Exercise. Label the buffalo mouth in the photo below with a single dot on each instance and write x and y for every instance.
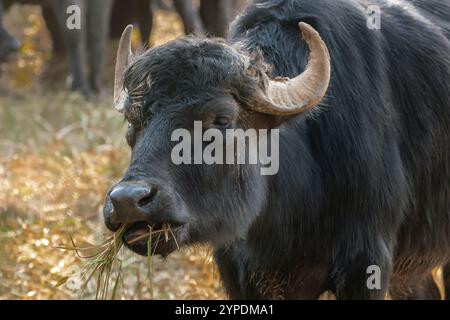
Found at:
(163, 238)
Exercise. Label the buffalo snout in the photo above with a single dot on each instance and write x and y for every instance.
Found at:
(139, 201)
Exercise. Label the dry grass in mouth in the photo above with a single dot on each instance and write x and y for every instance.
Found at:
(166, 229)
(102, 261)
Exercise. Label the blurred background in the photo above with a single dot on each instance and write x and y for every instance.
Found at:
(62, 145)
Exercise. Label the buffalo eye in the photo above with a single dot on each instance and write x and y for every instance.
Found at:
(222, 121)
(131, 135)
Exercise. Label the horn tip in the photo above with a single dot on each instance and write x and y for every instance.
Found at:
(301, 24)
(305, 28)
(128, 29)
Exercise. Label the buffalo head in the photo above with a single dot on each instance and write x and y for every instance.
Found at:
(175, 85)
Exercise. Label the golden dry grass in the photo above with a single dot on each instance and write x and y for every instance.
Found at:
(58, 156)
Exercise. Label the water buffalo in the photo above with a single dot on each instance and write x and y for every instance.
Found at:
(212, 17)
(361, 202)
(8, 44)
(86, 47)
(217, 14)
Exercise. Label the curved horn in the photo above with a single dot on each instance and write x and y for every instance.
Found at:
(122, 60)
(284, 96)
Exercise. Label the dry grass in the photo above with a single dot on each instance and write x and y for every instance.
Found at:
(58, 156)
(103, 264)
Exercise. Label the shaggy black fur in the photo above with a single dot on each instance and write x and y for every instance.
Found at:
(364, 178)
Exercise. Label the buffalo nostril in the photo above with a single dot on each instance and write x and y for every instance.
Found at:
(147, 198)
(127, 198)
(108, 211)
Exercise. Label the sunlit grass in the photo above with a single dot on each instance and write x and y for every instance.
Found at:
(53, 186)
(102, 262)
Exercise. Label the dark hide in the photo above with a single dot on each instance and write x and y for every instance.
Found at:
(364, 178)
(377, 158)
